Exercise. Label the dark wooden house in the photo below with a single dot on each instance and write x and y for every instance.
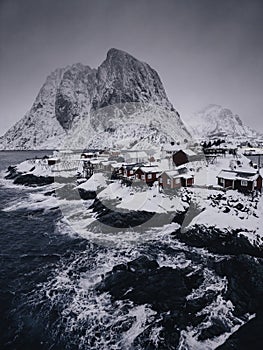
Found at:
(183, 156)
(128, 170)
(244, 181)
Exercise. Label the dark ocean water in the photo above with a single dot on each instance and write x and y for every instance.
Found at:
(30, 249)
(49, 273)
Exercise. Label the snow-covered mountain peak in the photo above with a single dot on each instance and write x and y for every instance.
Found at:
(215, 120)
(78, 95)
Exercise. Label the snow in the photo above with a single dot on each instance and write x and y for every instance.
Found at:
(25, 166)
(150, 169)
(171, 173)
(238, 175)
(138, 117)
(149, 199)
(95, 182)
(39, 167)
(216, 120)
(248, 221)
(206, 175)
(225, 211)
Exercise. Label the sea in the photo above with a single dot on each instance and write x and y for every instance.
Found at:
(49, 273)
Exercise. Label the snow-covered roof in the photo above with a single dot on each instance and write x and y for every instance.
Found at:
(108, 162)
(175, 174)
(150, 169)
(53, 158)
(175, 149)
(189, 152)
(171, 173)
(117, 165)
(238, 175)
(186, 176)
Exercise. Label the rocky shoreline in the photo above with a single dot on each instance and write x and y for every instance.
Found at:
(166, 289)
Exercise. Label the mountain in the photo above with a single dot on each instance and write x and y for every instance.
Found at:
(215, 120)
(121, 102)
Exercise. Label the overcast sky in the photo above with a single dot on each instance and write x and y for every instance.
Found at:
(205, 51)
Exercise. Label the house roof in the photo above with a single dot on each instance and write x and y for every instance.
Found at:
(188, 152)
(117, 165)
(171, 173)
(238, 175)
(150, 169)
(175, 174)
(186, 176)
(108, 162)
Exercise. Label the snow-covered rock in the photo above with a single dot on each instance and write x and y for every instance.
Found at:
(215, 120)
(123, 101)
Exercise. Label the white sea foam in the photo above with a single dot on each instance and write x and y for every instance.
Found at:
(95, 315)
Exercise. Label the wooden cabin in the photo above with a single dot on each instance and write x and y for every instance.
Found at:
(244, 181)
(147, 174)
(173, 179)
(128, 170)
(117, 169)
(183, 156)
(170, 179)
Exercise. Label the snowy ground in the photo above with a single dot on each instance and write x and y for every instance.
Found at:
(222, 210)
(229, 211)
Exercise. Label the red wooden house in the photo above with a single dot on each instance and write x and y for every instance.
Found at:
(147, 174)
(172, 179)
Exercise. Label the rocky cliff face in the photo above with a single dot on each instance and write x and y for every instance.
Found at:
(78, 104)
(215, 120)
(74, 95)
(122, 78)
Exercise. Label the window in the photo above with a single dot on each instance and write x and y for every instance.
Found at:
(143, 177)
(149, 176)
(244, 183)
(177, 181)
(131, 172)
(168, 182)
(161, 180)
